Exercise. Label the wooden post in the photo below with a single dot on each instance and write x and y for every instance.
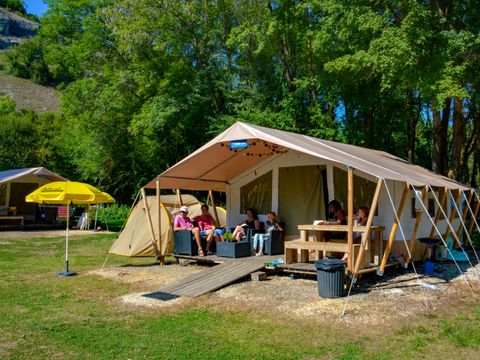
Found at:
(350, 219)
(443, 198)
(159, 214)
(465, 212)
(418, 220)
(391, 238)
(215, 213)
(366, 234)
(179, 195)
(150, 224)
(475, 213)
(450, 220)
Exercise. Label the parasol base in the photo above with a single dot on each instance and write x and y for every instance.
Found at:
(67, 273)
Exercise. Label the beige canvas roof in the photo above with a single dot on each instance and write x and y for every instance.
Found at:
(212, 166)
(31, 173)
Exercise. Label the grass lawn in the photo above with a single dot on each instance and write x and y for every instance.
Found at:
(43, 316)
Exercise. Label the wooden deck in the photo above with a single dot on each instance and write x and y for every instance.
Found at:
(215, 277)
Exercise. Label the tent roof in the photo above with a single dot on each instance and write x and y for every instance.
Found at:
(214, 165)
(15, 174)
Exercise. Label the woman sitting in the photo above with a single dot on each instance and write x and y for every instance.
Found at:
(251, 223)
(336, 216)
(270, 225)
(207, 227)
(361, 218)
(183, 222)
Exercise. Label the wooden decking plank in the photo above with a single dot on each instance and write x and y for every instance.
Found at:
(214, 278)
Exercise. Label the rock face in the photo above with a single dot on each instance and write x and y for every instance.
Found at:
(14, 28)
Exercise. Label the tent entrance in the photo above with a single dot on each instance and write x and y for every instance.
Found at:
(300, 195)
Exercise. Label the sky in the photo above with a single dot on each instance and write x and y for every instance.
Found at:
(36, 7)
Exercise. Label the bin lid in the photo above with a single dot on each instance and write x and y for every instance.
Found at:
(329, 264)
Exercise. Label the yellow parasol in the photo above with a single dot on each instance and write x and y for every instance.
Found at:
(67, 193)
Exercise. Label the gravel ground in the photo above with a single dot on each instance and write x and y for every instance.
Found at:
(393, 300)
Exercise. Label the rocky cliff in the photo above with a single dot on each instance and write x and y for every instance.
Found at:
(14, 28)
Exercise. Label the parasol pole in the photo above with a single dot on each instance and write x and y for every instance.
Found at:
(67, 272)
(96, 217)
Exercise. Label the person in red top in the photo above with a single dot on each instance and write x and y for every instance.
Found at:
(207, 226)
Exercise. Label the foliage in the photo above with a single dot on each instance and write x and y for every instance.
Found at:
(145, 83)
(7, 105)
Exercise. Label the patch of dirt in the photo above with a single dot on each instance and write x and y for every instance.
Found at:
(32, 234)
(388, 303)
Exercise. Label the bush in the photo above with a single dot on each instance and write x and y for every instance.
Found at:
(7, 105)
(27, 61)
(114, 215)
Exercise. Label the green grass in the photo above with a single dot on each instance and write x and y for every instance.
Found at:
(44, 316)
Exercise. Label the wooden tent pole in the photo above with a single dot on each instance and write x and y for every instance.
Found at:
(450, 219)
(212, 200)
(150, 224)
(437, 215)
(350, 219)
(475, 213)
(179, 195)
(159, 214)
(391, 238)
(465, 212)
(366, 234)
(418, 220)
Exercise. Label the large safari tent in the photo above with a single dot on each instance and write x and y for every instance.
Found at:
(15, 184)
(297, 175)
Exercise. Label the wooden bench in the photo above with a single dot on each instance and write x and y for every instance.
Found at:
(13, 218)
(292, 247)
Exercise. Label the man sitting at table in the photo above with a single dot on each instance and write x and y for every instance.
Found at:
(361, 218)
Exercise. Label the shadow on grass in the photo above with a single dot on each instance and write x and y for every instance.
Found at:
(162, 296)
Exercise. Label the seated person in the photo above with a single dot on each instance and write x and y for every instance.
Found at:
(362, 218)
(336, 216)
(251, 223)
(207, 227)
(270, 225)
(183, 222)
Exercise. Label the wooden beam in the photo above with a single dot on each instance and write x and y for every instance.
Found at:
(450, 220)
(350, 219)
(179, 195)
(150, 224)
(475, 213)
(391, 238)
(212, 200)
(465, 213)
(159, 214)
(418, 220)
(366, 234)
(443, 198)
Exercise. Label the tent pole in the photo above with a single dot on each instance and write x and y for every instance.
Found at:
(150, 224)
(437, 215)
(179, 195)
(366, 234)
(465, 213)
(212, 200)
(350, 219)
(450, 220)
(418, 220)
(388, 248)
(159, 214)
(475, 214)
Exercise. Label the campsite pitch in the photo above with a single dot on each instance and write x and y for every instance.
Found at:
(92, 316)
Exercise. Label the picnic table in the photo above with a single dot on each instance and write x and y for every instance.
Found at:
(320, 245)
(13, 217)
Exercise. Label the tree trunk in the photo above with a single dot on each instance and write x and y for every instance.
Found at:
(440, 141)
(458, 142)
(411, 126)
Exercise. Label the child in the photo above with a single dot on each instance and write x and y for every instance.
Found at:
(362, 218)
(271, 224)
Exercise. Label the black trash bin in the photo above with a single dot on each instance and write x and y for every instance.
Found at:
(330, 277)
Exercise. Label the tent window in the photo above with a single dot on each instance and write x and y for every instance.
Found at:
(363, 189)
(416, 210)
(3, 194)
(257, 194)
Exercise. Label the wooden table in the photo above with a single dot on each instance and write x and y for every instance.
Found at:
(320, 245)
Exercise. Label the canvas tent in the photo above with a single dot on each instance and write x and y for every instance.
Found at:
(15, 184)
(135, 238)
(296, 175)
